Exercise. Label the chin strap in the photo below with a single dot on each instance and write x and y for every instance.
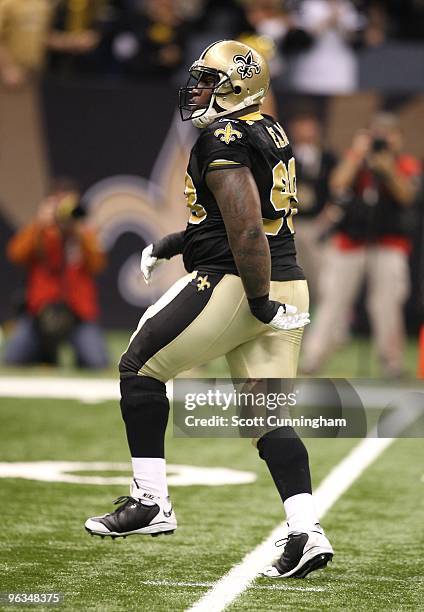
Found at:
(211, 114)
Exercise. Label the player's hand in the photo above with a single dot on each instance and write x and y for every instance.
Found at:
(287, 317)
(148, 263)
(277, 315)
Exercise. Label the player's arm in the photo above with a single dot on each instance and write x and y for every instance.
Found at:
(22, 247)
(238, 199)
(237, 196)
(155, 253)
(403, 189)
(344, 174)
(93, 256)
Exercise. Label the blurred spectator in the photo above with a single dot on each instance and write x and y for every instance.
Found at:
(274, 24)
(329, 66)
(190, 9)
(390, 20)
(61, 256)
(76, 34)
(150, 39)
(376, 184)
(314, 164)
(221, 19)
(407, 18)
(377, 28)
(270, 21)
(24, 25)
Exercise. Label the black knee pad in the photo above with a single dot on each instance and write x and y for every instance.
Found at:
(136, 389)
(145, 410)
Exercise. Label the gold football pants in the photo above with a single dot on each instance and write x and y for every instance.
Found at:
(206, 315)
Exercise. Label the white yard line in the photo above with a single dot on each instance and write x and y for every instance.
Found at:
(260, 587)
(372, 393)
(83, 389)
(88, 390)
(337, 482)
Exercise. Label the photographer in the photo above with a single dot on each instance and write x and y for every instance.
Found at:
(376, 185)
(61, 256)
(314, 164)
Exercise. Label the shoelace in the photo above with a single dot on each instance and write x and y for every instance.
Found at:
(279, 543)
(124, 500)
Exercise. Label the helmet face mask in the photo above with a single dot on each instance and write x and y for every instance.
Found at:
(236, 75)
(198, 75)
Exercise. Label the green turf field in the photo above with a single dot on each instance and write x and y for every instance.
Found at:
(375, 527)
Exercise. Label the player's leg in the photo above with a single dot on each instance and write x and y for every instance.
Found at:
(340, 269)
(388, 289)
(25, 344)
(310, 252)
(275, 355)
(88, 342)
(195, 321)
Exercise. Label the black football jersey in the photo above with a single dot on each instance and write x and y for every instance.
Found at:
(260, 143)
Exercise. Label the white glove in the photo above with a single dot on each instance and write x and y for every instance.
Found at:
(148, 263)
(287, 317)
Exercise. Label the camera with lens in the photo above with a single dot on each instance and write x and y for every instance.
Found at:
(379, 144)
(69, 209)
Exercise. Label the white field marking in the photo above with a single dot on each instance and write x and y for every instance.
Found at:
(91, 390)
(83, 389)
(337, 482)
(178, 475)
(267, 587)
(87, 390)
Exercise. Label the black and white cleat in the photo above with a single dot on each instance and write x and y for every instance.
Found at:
(135, 516)
(303, 553)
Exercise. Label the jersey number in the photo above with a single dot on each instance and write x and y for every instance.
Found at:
(283, 196)
(198, 213)
(278, 135)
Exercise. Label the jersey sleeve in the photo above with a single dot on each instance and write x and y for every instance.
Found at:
(223, 145)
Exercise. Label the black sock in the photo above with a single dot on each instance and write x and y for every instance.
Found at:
(287, 460)
(145, 410)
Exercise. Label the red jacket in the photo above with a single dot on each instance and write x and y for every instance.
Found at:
(408, 166)
(59, 268)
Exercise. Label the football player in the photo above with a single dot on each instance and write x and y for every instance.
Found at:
(244, 297)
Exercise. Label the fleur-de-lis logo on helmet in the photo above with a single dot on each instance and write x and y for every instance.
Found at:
(246, 66)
